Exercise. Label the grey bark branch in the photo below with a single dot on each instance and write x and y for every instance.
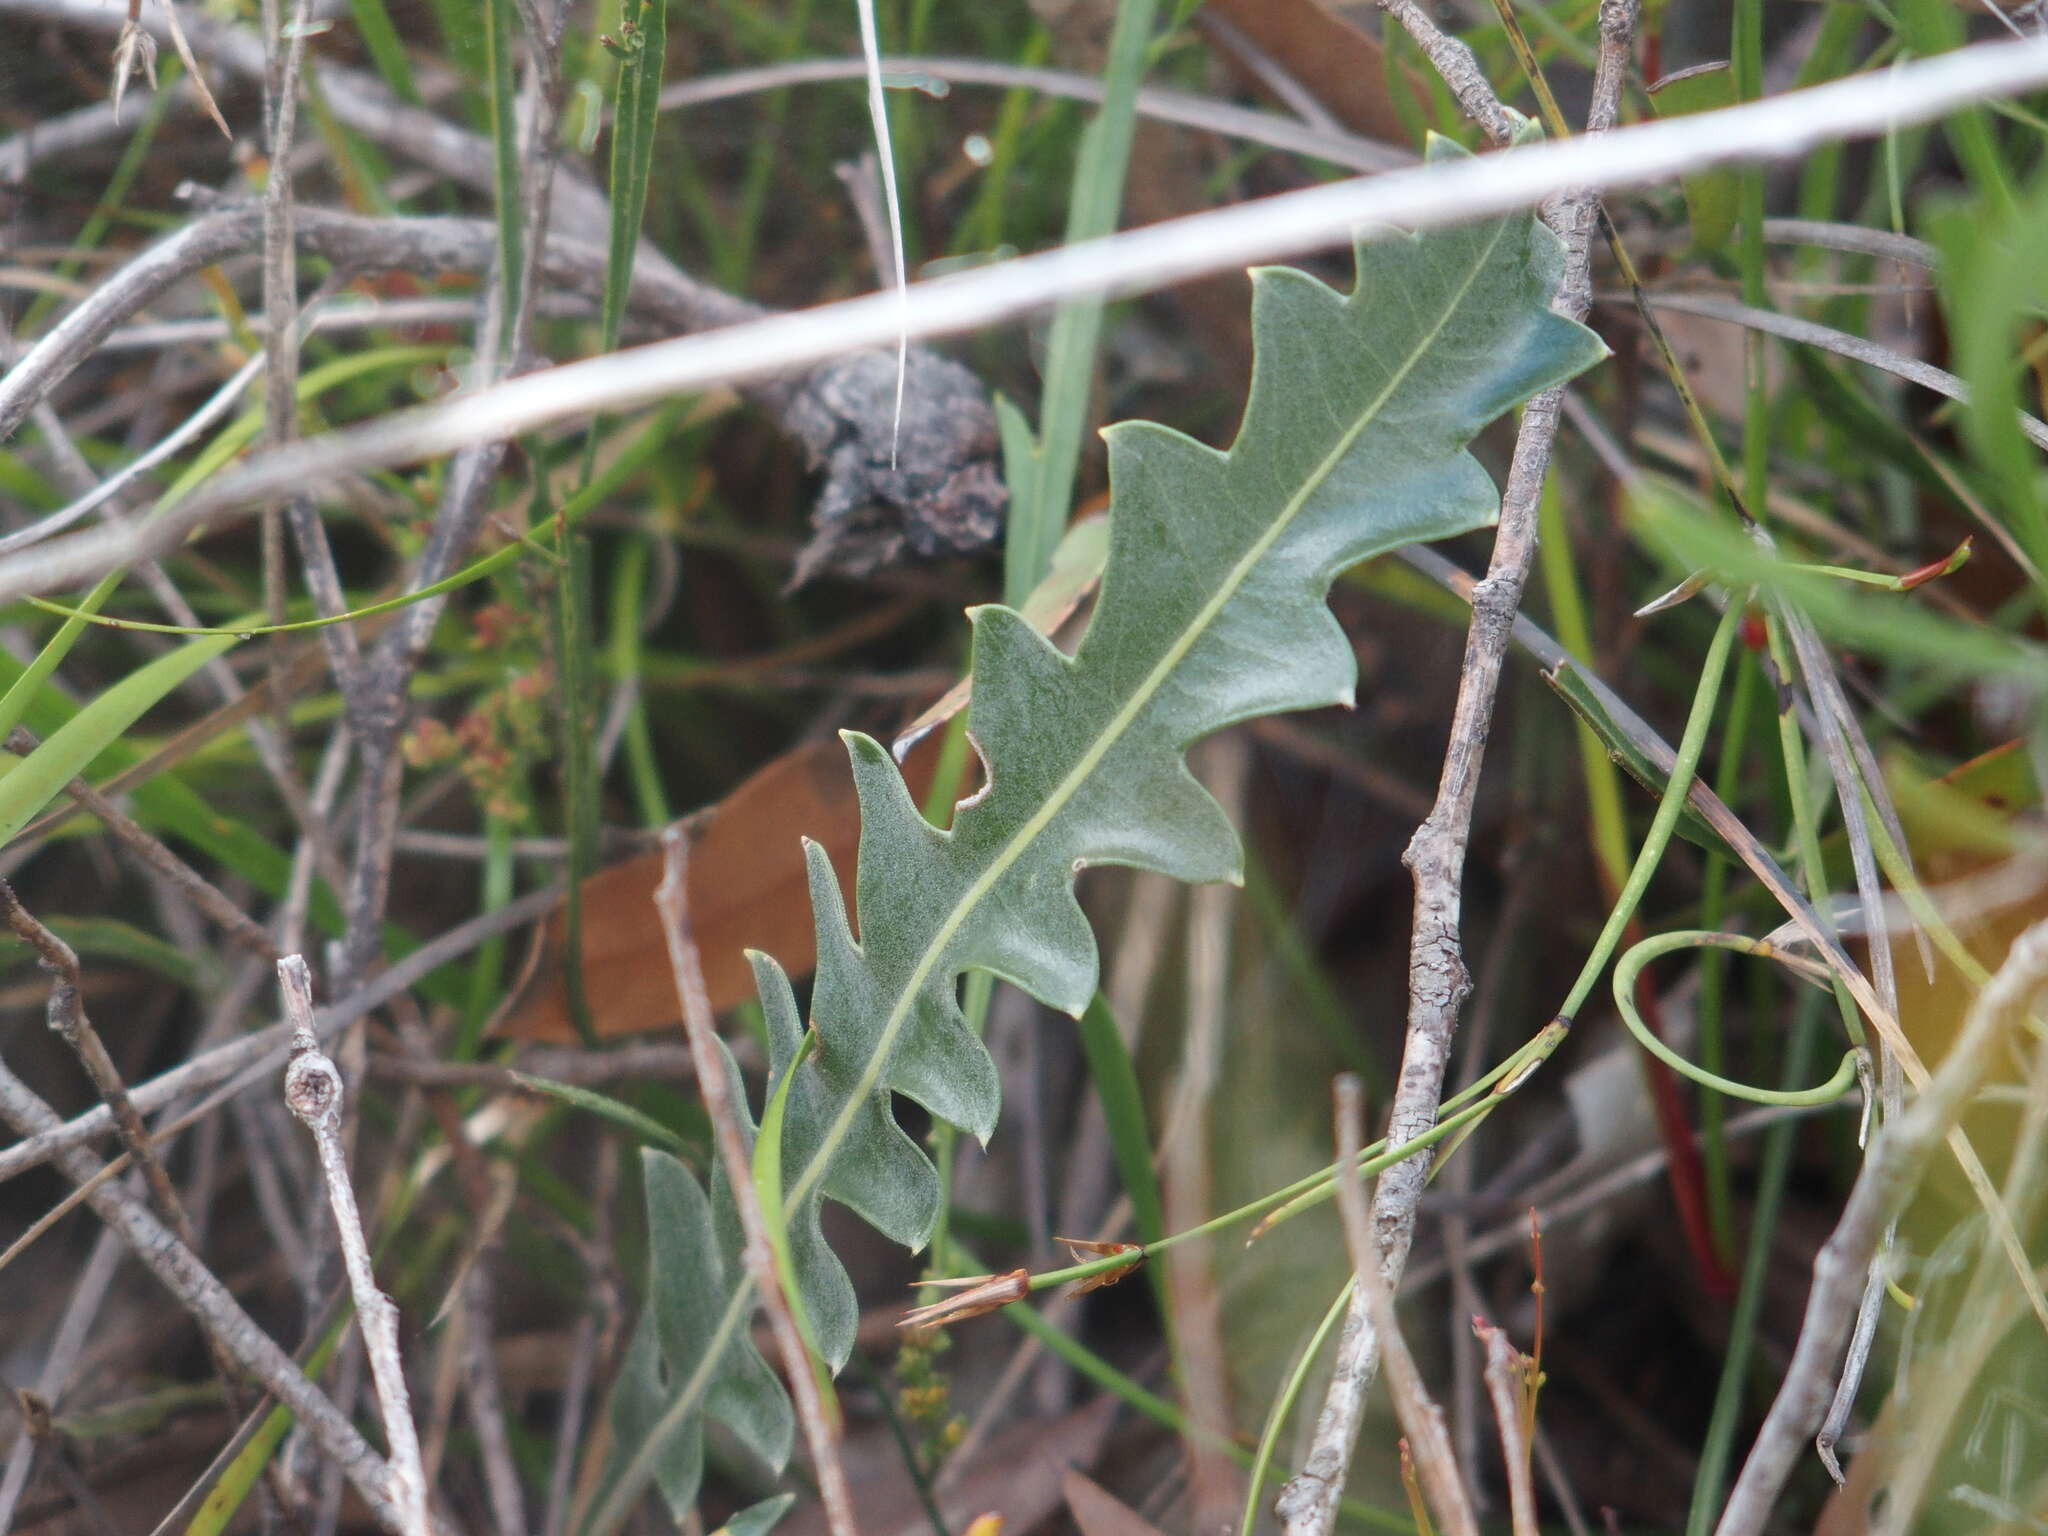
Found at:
(1437, 978)
(1458, 68)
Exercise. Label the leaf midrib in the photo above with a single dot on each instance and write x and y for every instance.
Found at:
(639, 1468)
(1063, 793)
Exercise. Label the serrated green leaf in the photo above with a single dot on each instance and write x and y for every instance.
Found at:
(1212, 611)
(670, 1445)
(687, 1359)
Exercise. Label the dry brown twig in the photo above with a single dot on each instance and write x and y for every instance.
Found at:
(672, 899)
(313, 1091)
(1507, 1382)
(155, 854)
(252, 1055)
(1437, 977)
(67, 1018)
(1201, 1357)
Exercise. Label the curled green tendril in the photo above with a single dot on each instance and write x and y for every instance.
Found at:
(1630, 966)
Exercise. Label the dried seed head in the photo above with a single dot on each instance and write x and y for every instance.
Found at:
(984, 1293)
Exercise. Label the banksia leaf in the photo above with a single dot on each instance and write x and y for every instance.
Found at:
(1211, 611)
(692, 1330)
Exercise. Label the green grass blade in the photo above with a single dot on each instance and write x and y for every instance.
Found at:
(605, 1107)
(1038, 506)
(644, 29)
(386, 50)
(38, 778)
(1123, 1109)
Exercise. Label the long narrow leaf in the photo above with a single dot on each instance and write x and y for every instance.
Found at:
(37, 778)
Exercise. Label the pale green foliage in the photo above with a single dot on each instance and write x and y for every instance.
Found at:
(1211, 611)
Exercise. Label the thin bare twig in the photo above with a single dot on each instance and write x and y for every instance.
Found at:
(1422, 1421)
(313, 1091)
(155, 854)
(1437, 978)
(485, 1401)
(67, 1018)
(217, 405)
(1507, 1381)
(1525, 876)
(1889, 1175)
(1857, 349)
(1186, 1145)
(671, 897)
(255, 1055)
(596, 1326)
(1459, 69)
(89, 1287)
(210, 1303)
(284, 43)
(1160, 103)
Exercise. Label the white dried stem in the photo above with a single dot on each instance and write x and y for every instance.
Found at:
(1430, 197)
(313, 1092)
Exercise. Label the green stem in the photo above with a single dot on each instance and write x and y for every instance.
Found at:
(1568, 617)
(1458, 1111)
(1712, 1475)
(1712, 1008)
(1630, 966)
(1806, 829)
(1686, 764)
(629, 597)
(1746, 60)
(1157, 1408)
(1283, 1404)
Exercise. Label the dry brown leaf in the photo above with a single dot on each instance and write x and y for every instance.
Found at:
(747, 891)
(1086, 1251)
(977, 1296)
(1338, 64)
